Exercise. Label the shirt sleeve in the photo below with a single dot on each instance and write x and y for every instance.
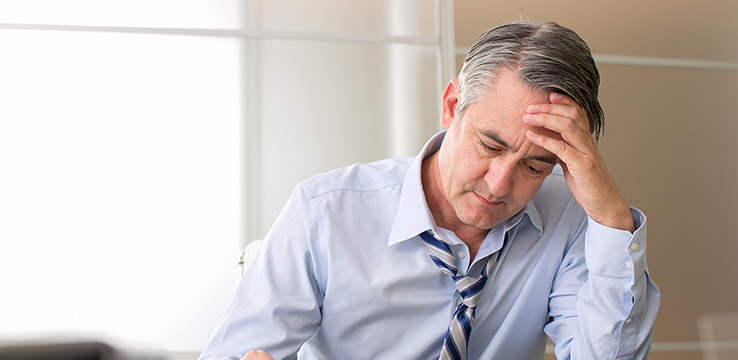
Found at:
(612, 314)
(276, 306)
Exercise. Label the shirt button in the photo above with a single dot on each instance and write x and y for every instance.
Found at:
(629, 320)
(461, 254)
(629, 265)
(635, 246)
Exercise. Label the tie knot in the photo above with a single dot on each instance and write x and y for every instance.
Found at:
(440, 253)
(469, 287)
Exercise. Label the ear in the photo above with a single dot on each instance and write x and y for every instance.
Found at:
(450, 101)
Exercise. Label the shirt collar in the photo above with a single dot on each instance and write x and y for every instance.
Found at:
(413, 215)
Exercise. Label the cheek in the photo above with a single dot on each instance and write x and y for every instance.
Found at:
(460, 164)
(469, 170)
(455, 176)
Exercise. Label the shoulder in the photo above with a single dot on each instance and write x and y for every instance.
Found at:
(555, 184)
(554, 197)
(359, 177)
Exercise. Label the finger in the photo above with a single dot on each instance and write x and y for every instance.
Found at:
(564, 106)
(569, 129)
(557, 98)
(561, 102)
(562, 110)
(565, 152)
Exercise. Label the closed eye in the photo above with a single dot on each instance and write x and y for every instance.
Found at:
(534, 170)
(490, 148)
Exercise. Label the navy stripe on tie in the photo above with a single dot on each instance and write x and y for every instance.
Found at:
(457, 337)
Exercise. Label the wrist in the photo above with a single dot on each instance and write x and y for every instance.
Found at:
(621, 219)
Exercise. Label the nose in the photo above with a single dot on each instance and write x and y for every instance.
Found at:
(499, 178)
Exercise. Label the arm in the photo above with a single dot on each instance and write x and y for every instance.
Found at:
(276, 306)
(612, 314)
(603, 304)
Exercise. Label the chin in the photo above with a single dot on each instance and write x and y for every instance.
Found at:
(481, 221)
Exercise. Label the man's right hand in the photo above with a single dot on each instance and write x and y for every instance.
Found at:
(257, 355)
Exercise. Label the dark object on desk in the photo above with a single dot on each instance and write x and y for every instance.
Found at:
(86, 350)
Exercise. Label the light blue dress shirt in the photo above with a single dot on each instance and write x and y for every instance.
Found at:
(344, 275)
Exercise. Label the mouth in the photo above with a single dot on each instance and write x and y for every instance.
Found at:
(488, 202)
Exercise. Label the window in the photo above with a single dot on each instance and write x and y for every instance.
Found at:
(143, 143)
(120, 194)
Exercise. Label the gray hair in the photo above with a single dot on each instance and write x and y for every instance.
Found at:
(548, 57)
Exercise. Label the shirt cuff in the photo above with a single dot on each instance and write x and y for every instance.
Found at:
(615, 252)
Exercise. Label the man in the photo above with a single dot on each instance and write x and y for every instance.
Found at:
(507, 227)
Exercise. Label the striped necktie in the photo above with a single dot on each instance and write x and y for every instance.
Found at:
(457, 337)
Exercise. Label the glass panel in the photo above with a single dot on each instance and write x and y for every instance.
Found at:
(214, 14)
(377, 17)
(359, 102)
(120, 195)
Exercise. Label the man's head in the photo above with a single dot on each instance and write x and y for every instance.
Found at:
(548, 57)
(487, 168)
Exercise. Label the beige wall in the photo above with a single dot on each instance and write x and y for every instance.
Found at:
(670, 143)
(670, 139)
(672, 148)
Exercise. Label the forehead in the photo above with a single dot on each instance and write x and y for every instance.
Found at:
(508, 96)
(499, 111)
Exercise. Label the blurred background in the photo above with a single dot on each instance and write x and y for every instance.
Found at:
(144, 143)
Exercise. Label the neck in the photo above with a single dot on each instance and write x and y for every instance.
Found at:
(442, 211)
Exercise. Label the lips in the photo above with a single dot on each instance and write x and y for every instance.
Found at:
(487, 202)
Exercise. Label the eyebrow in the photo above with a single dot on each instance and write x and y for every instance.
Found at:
(496, 138)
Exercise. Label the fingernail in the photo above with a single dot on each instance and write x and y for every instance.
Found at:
(532, 108)
(528, 117)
